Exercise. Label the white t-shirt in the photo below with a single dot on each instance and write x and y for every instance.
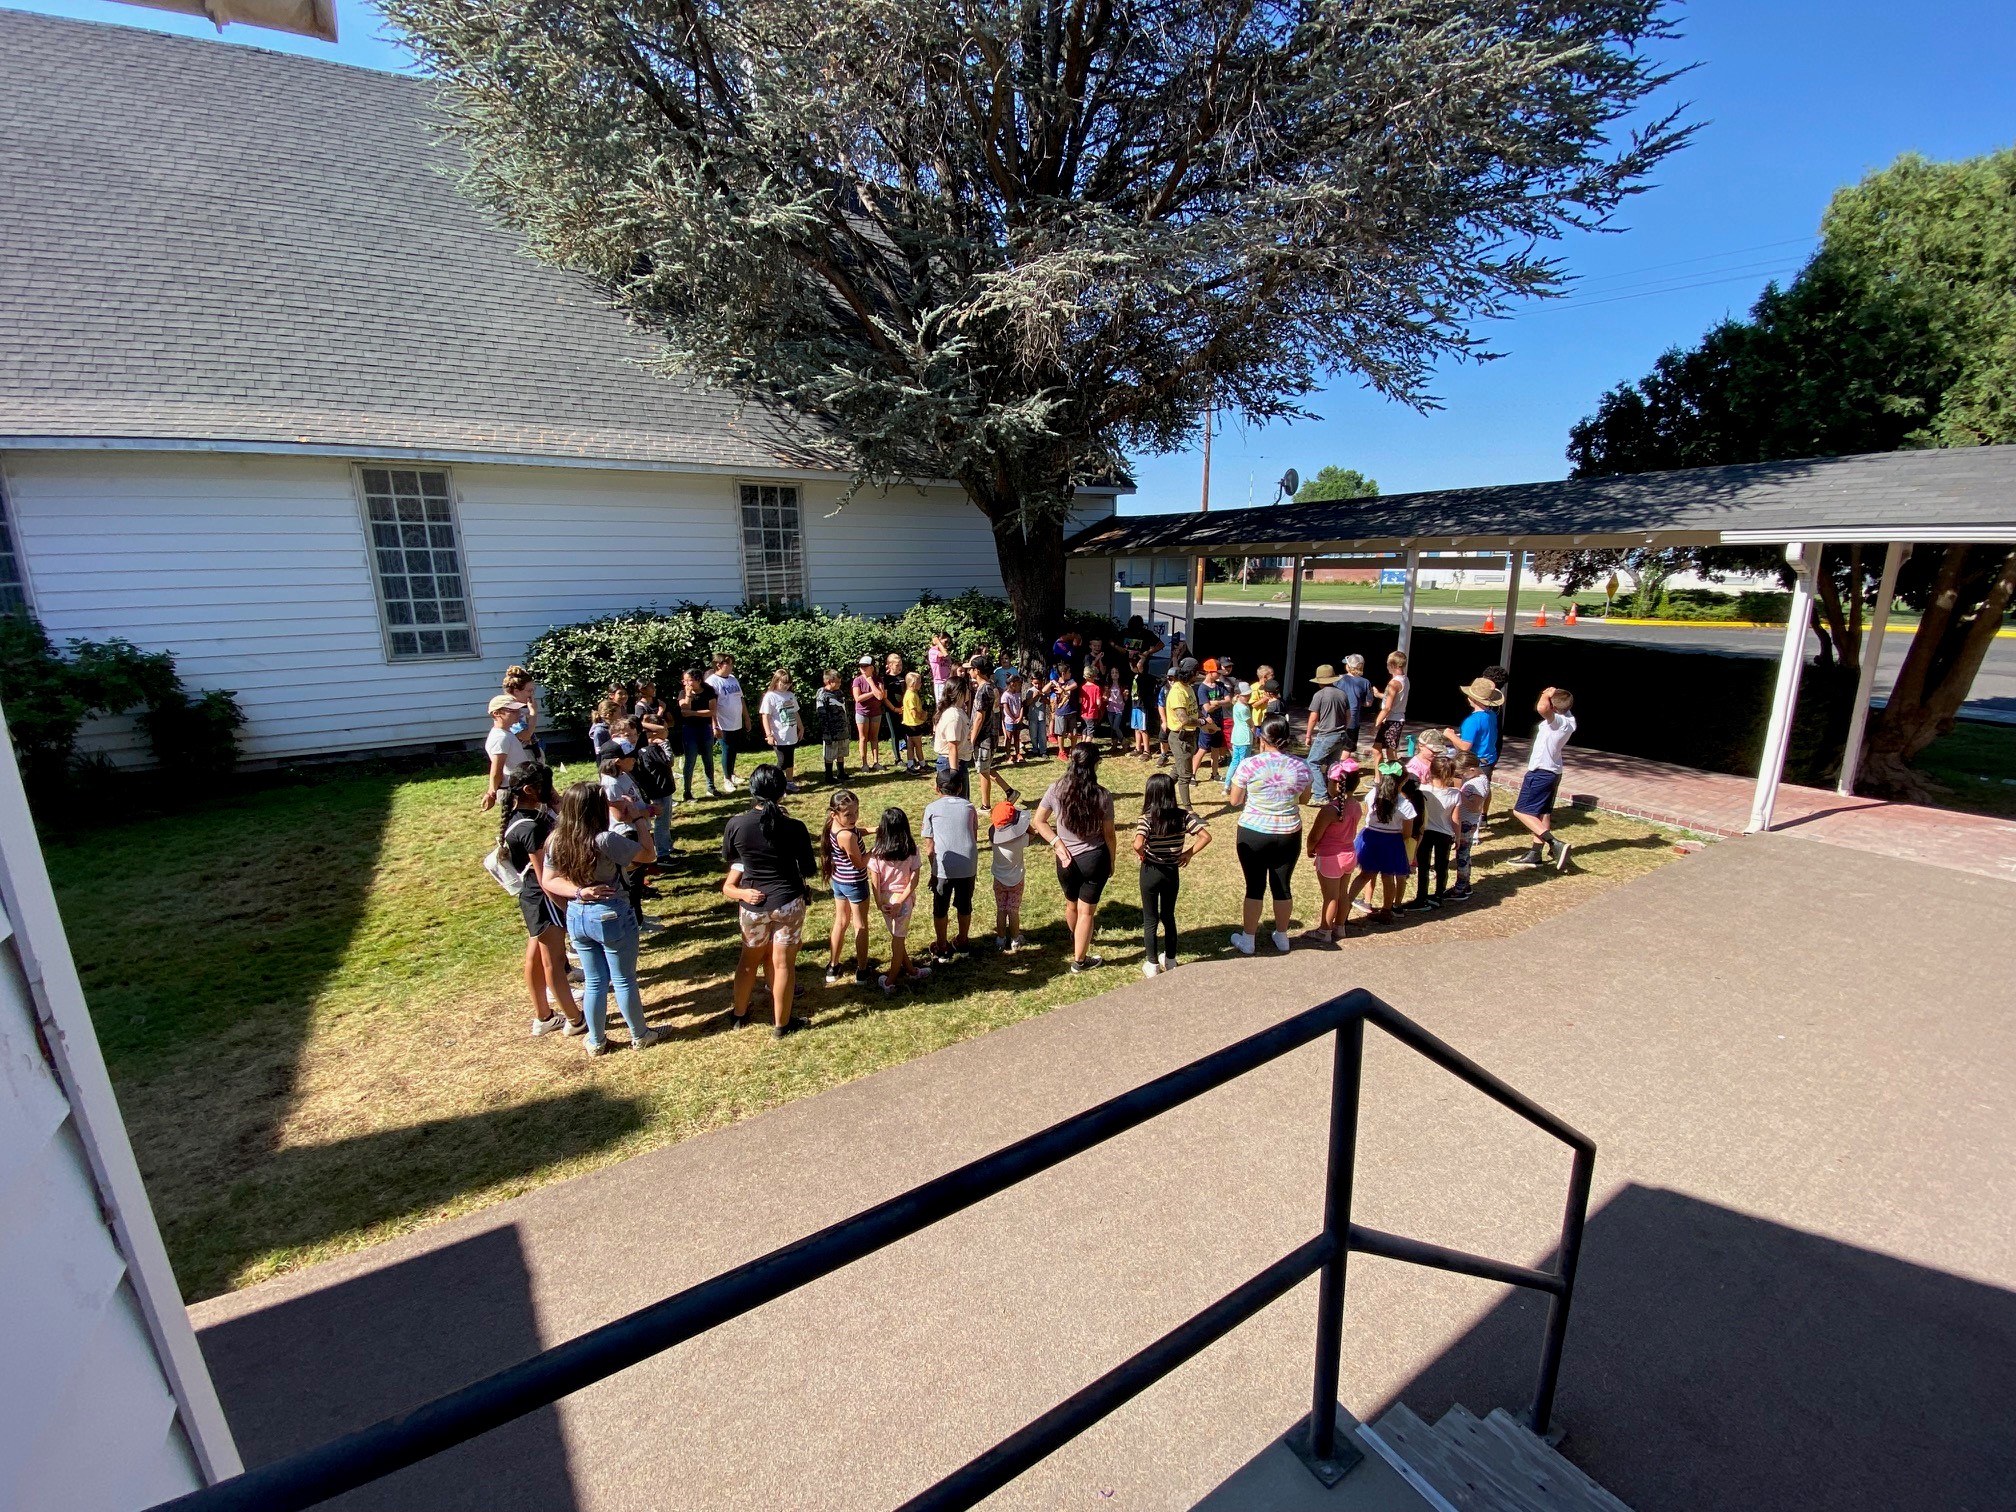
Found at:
(1439, 807)
(503, 743)
(1549, 740)
(1010, 841)
(728, 708)
(1399, 681)
(953, 738)
(781, 709)
(1401, 817)
(1476, 790)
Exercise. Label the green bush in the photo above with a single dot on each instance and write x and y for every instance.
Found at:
(48, 694)
(1765, 608)
(577, 662)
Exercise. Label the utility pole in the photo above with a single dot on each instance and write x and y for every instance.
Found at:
(1204, 507)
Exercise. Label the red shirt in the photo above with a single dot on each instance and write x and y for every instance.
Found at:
(1091, 700)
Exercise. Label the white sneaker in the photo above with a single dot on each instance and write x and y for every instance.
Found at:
(1148, 968)
(1168, 963)
(1242, 942)
(1016, 943)
(1281, 942)
(551, 1024)
(646, 1038)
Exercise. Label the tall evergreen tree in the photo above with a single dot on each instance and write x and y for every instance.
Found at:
(1008, 242)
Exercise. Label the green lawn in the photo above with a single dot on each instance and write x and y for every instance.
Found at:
(1976, 768)
(309, 998)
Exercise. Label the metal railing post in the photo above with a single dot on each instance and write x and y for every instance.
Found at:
(1579, 1180)
(1344, 1078)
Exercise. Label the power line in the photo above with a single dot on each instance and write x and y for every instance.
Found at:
(1684, 262)
(1583, 304)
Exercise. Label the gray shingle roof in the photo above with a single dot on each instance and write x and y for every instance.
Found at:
(210, 242)
(1965, 494)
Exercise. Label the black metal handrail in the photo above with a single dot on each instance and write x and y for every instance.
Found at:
(315, 1475)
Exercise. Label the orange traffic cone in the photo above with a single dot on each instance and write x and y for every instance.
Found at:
(1490, 622)
(1573, 618)
(1540, 619)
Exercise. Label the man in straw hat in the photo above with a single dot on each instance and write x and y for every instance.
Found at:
(1331, 715)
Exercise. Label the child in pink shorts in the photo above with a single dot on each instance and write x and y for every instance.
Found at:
(1331, 837)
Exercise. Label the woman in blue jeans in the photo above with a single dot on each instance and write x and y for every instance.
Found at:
(584, 862)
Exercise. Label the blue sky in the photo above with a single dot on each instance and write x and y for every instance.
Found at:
(1798, 97)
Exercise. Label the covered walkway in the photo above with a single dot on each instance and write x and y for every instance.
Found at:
(1798, 1289)
(1892, 499)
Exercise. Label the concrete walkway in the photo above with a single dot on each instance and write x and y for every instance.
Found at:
(1796, 1291)
(1714, 803)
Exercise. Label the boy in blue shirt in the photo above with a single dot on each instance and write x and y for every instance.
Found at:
(1479, 733)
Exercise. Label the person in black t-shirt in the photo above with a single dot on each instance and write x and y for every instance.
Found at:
(696, 728)
(770, 863)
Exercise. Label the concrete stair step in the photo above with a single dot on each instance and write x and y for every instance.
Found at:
(1447, 1475)
(1524, 1452)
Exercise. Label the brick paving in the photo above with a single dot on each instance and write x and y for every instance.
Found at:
(1714, 803)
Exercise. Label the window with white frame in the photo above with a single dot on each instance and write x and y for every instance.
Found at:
(416, 556)
(773, 544)
(13, 587)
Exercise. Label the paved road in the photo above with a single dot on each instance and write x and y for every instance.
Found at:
(1994, 688)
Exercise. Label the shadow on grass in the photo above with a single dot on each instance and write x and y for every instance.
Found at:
(1719, 1362)
(305, 1195)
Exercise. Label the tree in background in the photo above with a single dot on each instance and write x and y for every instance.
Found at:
(1900, 332)
(1337, 483)
(1007, 242)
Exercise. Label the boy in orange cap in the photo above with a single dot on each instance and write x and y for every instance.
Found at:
(1010, 832)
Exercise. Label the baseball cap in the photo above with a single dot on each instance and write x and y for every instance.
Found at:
(505, 701)
(609, 750)
(1002, 813)
(866, 660)
(1187, 665)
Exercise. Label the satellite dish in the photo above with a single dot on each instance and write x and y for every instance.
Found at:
(1290, 482)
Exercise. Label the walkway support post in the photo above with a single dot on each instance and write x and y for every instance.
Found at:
(1515, 564)
(1865, 682)
(1190, 572)
(1294, 628)
(1153, 563)
(1785, 697)
(1407, 601)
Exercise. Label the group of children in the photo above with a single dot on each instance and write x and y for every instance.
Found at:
(1387, 806)
(1430, 795)
(888, 866)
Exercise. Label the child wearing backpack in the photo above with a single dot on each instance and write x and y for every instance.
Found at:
(833, 712)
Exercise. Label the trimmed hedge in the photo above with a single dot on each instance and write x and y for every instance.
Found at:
(1693, 708)
(576, 663)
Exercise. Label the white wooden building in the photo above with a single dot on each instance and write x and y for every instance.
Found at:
(274, 396)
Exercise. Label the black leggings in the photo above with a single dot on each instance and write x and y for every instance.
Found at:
(1268, 862)
(1434, 845)
(1159, 886)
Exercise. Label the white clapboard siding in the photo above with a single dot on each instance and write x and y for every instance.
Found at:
(104, 1402)
(879, 552)
(253, 570)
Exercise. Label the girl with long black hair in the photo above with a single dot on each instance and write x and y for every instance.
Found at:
(1075, 818)
(769, 856)
(1166, 838)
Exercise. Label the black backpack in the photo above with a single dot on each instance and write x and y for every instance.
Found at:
(653, 771)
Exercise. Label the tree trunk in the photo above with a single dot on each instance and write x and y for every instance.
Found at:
(1828, 622)
(1032, 570)
(1938, 672)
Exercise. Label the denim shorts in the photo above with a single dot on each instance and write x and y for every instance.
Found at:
(854, 892)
